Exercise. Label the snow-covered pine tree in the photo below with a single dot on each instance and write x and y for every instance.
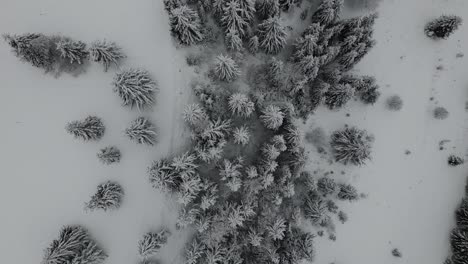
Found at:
(74, 51)
(351, 145)
(462, 214)
(185, 25)
(240, 104)
(454, 160)
(287, 5)
(307, 43)
(241, 135)
(226, 68)
(232, 40)
(326, 186)
(255, 239)
(91, 128)
(109, 155)
(338, 95)
(327, 12)
(275, 71)
(107, 53)
(270, 152)
(33, 48)
(247, 9)
(74, 245)
(169, 5)
(267, 8)
(164, 177)
(459, 242)
(314, 209)
(195, 115)
(142, 131)
(271, 35)
(194, 251)
(272, 117)
(136, 88)
(230, 173)
(276, 230)
(347, 192)
(151, 243)
(108, 196)
(442, 27)
(309, 66)
(232, 19)
(254, 44)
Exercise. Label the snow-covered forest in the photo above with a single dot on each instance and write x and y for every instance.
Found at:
(234, 131)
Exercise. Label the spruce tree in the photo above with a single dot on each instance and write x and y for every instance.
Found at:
(338, 95)
(186, 25)
(254, 44)
(142, 131)
(136, 88)
(275, 74)
(272, 117)
(326, 186)
(327, 12)
(74, 245)
(74, 51)
(109, 155)
(241, 135)
(232, 40)
(442, 27)
(351, 145)
(347, 192)
(91, 128)
(107, 53)
(226, 68)
(151, 243)
(267, 8)
(247, 9)
(239, 104)
(33, 48)
(195, 115)
(232, 18)
(108, 196)
(271, 35)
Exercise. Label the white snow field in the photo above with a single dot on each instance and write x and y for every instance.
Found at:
(46, 175)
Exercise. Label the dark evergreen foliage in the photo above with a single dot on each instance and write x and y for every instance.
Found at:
(91, 128)
(455, 160)
(108, 196)
(351, 145)
(442, 27)
(109, 155)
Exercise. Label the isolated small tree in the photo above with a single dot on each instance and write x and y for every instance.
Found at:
(454, 160)
(326, 186)
(338, 95)
(241, 135)
(142, 131)
(226, 68)
(394, 103)
(33, 48)
(272, 117)
(440, 113)
(109, 196)
(107, 53)
(396, 253)
(342, 216)
(254, 44)
(442, 27)
(109, 155)
(271, 36)
(347, 192)
(91, 128)
(351, 145)
(136, 88)
(151, 243)
(185, 25)
(74, 51)
(267, 8)
(74, 245)
(194, 115)
(240, 104)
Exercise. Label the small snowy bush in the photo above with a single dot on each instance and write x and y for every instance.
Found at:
(107, 53)
(394, 103)
(135, 87)
(351, 145)
(142, 131)
(442, 27)
(109, 155)
(226, 68)
(440, 113)
(326, 186)
(151, 243)
(74, 245)
(455, 160)
(91, 128)
(108, 197)
(347, 192)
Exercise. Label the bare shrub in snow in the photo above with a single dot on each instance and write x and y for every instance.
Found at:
(74, 51)
(109, 155)
(440, 113)
(185, 25)
(135, 87)
(351, 145)
(91, 128)
(394, 103)
(107, 53)
(442, 27)
(142, 131)
(151, 243)
(342, 216)
(226, 68)
(272, 117)
(241, 105)
(74, 245)
(109, 196)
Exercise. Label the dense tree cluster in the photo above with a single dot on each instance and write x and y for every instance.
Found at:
(459, 235)
(74, 245)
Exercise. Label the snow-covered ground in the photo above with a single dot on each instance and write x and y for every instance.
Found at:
(46, 175)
